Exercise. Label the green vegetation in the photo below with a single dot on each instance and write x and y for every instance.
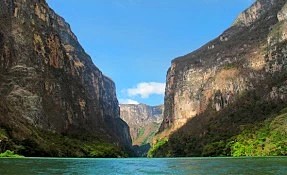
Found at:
(268, 139)
(229, 66)
(277, 31)
(149, 138)
(141, 132)
(103, 150)
(153, 128)
(65, 146)
(10, 154)
(3, 134)
(145, 134)
(251, 126)
(215, 148)
(156, 147)
(47, 144)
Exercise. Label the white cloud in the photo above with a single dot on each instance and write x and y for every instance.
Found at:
(145, 89)
(128, 101)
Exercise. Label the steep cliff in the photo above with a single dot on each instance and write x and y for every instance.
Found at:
(48, 82)
(143, 120)
(234, 81)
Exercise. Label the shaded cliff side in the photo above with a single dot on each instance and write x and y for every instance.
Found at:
(232, 83)
(49, 84)
(143, 121)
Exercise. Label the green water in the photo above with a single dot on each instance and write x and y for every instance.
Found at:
(179, 166)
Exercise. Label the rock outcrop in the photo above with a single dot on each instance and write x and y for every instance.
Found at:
(204, 87)
(256, 11)
(48, 81)
(143, 121)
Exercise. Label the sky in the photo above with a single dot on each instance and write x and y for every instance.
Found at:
(134, 41)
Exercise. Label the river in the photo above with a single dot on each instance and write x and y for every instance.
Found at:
(138, 166)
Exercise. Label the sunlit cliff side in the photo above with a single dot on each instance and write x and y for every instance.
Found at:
(234, 82)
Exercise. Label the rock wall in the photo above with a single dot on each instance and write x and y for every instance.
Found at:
(143, 120)
(252, 51)
(256, 11)
(47, 80)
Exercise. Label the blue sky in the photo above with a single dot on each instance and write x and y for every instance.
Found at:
(134, 41)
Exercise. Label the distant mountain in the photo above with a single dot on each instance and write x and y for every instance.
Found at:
(54, 100)
(230, 86)
(143, 120)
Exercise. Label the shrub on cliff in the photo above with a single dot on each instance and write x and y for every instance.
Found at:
(10, 154)
(267, 139)
(160, 143)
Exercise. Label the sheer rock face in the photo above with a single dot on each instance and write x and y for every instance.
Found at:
(256, 11)
(143, 120)
(249, 52)
(47, 79)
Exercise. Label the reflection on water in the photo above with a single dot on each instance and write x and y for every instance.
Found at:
(182, 166)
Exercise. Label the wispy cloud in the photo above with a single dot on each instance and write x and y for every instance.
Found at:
(134, 1)
(145, 89)
(128, 101)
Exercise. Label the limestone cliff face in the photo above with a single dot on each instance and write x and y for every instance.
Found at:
(47, 80)
(245, 57)
(143, 120)
(256, 11)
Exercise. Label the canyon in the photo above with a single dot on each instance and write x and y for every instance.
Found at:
(227, 98)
